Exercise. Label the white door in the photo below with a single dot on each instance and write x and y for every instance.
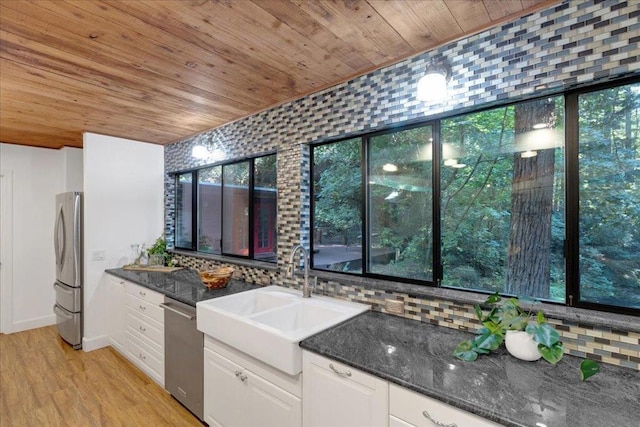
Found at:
(269, 405)
(224, 391)
(6, 252)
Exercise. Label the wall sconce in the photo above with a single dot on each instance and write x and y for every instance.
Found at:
(432, 87)
(200, 152)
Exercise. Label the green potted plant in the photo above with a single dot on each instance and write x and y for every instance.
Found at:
(505, 316)
(160, 248)
(505, 320)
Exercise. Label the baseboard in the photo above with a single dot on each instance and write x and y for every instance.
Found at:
(25, 325)
(90, 344)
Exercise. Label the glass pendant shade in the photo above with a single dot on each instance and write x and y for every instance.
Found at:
(432, 87)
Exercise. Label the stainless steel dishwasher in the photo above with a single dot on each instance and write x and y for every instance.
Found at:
(183, 355)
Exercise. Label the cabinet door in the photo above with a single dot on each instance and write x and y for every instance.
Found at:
(334, 394)
(397, 422)
(269, 405)
(116, 318)
(224, 392)
(413, 408)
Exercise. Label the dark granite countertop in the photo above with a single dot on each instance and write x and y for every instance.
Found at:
(182, 285)
(498, 386)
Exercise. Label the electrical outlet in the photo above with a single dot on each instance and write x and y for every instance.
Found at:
(98, 255)
(394, 306)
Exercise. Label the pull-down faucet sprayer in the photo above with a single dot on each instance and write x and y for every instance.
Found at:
(306, 292)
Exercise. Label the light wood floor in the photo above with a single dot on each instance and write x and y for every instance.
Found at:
(43, 382)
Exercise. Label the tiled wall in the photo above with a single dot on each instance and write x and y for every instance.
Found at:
(570, 45)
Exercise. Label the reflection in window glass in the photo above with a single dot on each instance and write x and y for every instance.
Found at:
(184, 198)
(210, 206)
(502, 186)
(609, 162)
(337, 183)
(265, 197)
(400, 237)
(235, 216)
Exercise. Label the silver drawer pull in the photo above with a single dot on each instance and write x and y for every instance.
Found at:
(142, 329)
(142, 307)
(142, 356)
(342, 374)
(437, 423)
(238, 373)
(243, 378)
(142, 294)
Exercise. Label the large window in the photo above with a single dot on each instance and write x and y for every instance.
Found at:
(184, 213)
(609, 185)
(537, 199)
(236, 209)
(210, 205)
(502, 181)
(400, 205)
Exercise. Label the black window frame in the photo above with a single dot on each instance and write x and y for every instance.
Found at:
(571, 250)
(195, 204)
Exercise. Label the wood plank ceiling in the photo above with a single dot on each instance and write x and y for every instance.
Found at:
(161, 70)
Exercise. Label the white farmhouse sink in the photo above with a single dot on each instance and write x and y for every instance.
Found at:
(268, 323)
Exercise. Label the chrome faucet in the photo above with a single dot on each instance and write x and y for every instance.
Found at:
(306, 292)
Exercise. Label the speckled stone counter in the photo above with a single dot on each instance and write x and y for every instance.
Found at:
(498, 386)
(182, 285)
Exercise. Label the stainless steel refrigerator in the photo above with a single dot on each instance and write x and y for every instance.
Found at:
(67, 242)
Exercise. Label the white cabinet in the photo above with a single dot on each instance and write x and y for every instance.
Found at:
(115, 318)
(134, 322)
(339, 395)
(410, 409)
(240, 391)
(145, 330)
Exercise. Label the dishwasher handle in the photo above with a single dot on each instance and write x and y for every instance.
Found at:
(178, 312)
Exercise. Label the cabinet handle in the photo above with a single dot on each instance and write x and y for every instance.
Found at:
(142, 356)
(142, 307)
(342, 374)
(142, 329)
(437, 423)
(243, 378)
(142, 294)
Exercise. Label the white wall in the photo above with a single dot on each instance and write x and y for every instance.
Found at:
(123, 204)
(38, 174)
(73, 169)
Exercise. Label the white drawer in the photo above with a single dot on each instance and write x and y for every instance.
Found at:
(408, 406)
(146, 358)
(150, 309)
(143, 293)
(146, 327)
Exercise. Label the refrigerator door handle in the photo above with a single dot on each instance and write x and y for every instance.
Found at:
(77, 241)
(60, 236)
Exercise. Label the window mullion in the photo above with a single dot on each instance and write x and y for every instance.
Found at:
(364, 211)
(572, 200)
(436, 214)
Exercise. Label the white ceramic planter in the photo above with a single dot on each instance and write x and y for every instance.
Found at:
(522, 346)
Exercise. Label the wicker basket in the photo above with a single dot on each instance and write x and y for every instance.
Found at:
(217, 278)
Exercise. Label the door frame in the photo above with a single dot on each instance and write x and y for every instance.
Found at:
(6, 252)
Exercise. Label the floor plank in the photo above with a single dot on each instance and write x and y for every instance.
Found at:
(44, 382)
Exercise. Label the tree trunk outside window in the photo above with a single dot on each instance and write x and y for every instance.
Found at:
(529, 254)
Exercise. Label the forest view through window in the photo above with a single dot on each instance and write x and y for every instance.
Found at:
(511, 194)
(503, 200)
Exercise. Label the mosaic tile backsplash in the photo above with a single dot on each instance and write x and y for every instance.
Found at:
(566, 46)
